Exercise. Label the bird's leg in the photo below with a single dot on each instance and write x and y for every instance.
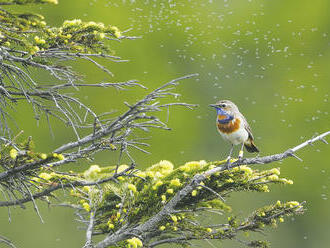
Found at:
(240, 154)
(230, 152)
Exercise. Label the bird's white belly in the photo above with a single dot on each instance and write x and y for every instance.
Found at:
(237, 137)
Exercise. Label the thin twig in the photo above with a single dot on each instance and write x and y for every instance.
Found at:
(6, 241)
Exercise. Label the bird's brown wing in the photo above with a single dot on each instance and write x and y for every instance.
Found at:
(249, 144)
(247, 127)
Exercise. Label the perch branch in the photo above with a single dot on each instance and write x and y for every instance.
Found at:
(169, 208)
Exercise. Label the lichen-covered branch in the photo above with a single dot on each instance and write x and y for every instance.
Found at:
(273, 158)
(151, 206)
(218, 176)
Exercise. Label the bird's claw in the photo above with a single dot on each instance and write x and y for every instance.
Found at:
(240, 155)
(229, 161)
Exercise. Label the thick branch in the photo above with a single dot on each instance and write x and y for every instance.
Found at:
(169, 208)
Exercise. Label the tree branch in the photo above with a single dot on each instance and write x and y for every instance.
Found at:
(169, 208)
(6, 242)
(130, 114)
(51, 189)
(89, 232)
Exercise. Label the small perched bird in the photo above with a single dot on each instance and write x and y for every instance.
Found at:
(233, 127)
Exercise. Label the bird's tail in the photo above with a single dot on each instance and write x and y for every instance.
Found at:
(250, 146)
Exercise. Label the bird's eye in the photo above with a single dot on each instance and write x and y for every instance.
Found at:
(223, 105)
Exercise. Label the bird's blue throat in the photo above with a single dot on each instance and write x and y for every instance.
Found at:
(228, 118)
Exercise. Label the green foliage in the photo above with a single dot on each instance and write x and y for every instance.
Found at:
(29, 32)
(16, 155)
(135, 198)
(20, 169)
(27, 41)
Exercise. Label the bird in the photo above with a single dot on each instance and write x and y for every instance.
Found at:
(233, 127)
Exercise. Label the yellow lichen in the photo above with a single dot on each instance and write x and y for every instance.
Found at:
(134, 243)
(162, 228)
(161, 169)
(38, 40)
(157, 184)
(275, 171)
(43, 155)
(60, 157)
(131, 187)
(174, 218)
(169, 191)
(86, 189)
(13, 153)
(273, 177)
(45, 176)
(175, 182)
(122, 168)
(193, 166)
(86, 206)
(292, 204)
(265, 188)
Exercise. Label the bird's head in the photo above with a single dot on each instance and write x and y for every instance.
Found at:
(225, 106)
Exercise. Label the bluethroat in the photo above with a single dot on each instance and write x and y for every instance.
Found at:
(233, 127)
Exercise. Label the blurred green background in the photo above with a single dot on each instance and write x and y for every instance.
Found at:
(271, 58)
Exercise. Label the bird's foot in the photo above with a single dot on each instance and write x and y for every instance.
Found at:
(240, 156)
(228, 163)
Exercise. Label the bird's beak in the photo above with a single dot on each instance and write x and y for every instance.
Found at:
(213, 105)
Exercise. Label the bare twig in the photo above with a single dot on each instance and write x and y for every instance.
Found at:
(130, 115)
(6, 241)
(89, 232)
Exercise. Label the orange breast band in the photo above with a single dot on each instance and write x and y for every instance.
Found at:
(229, 127)
(222, 117)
